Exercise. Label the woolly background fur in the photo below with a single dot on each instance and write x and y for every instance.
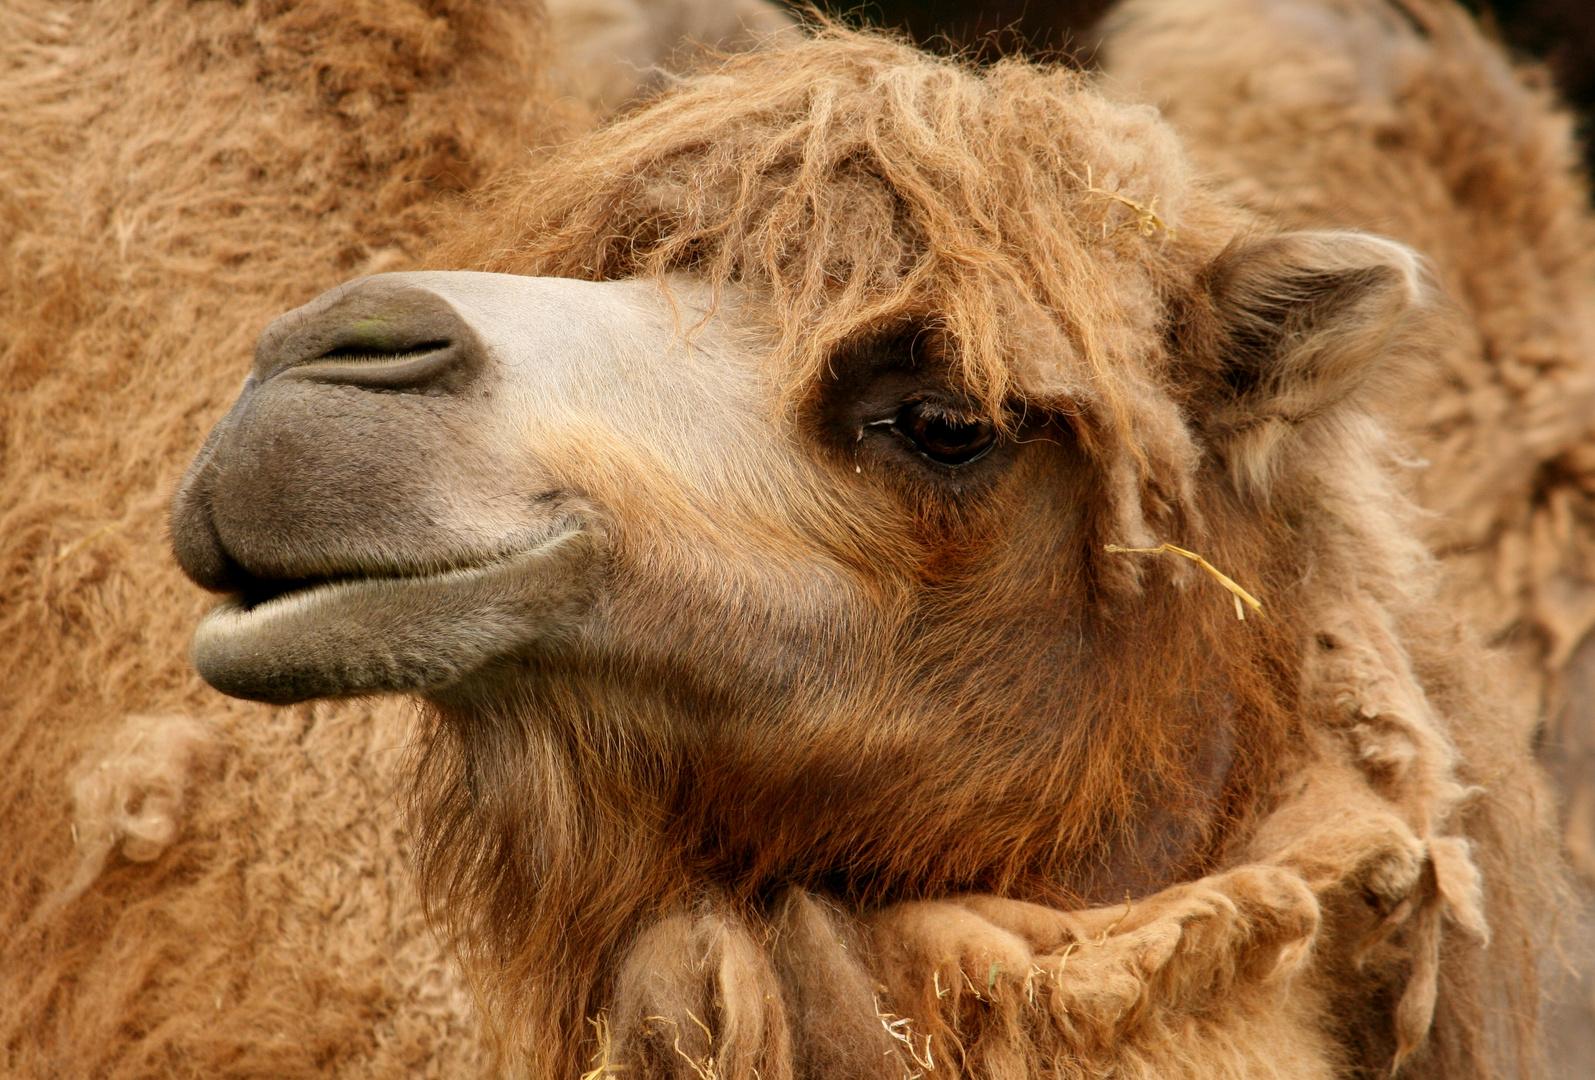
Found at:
(172, 175)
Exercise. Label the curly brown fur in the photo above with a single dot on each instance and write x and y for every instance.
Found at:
(1400, 118)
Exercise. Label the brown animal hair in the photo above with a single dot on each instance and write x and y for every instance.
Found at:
(1058, 250)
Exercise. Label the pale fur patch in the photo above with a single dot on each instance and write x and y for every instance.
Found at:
(607, 52)
(131, 795)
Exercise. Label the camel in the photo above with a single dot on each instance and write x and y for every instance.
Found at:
(262, 844)
(193, 885)
(905, 576)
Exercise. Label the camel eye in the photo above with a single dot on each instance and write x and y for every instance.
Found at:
(946, 437)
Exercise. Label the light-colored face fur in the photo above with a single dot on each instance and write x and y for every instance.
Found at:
(430, 477)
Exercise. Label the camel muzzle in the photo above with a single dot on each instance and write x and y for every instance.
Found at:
(343, 506)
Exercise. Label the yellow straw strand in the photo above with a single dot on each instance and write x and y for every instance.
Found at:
(69, 550)
(603, 1064)
(1146, 221)
(1219, 576)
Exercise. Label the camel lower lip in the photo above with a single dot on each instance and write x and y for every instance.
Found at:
(398, 633)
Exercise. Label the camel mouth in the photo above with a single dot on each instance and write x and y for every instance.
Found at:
(265, 595)
(254, 593)
(249, 592)
(288, 640)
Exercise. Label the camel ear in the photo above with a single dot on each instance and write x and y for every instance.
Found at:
(1294, 326)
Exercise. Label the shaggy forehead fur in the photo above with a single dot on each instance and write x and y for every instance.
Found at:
(852, 183)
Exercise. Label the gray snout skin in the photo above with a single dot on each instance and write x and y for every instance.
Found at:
(351, 502)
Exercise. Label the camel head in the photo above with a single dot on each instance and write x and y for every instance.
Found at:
(747, 509)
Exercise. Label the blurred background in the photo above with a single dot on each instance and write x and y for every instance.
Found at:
(1560, 34)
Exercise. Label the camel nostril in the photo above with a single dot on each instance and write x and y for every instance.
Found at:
(419, 368)
(381, 333)
(367, 354)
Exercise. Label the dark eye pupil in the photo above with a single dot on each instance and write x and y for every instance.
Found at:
(942, 436)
